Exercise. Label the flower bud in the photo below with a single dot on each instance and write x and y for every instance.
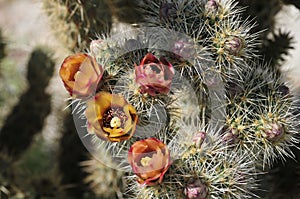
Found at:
(234, 89)
(132, 44)
(211, 6)
(195, 189)
(183, 49)
(230, 137)
(234, 45)
(166, 10)
(273, 132)
(283, 90)
(199, 138)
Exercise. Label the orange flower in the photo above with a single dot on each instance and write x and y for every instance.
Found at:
(149, 159)
(110, 117)
(81, 74)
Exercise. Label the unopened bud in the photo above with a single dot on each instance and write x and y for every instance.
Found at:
(95, 47)
(132, 44)
(274, 132)
(195, 189)
(230, 137)
(166, 10)
(234, 45)
(199, 138)
(211, 6)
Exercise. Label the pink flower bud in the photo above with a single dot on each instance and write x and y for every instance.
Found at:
(199, 138)
(274, 132)
(230, 138)
(195, 189)
(183, 50)
(211, 6)
(234, 45)
(166, 9)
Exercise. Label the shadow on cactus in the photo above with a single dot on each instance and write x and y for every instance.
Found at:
(23, 155)
(27, 117)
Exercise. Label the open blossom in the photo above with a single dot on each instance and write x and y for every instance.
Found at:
(149, 159)
(110, 117)
(80, 74)
(154, 76)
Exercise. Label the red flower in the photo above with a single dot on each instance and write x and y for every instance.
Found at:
(81, 74)
(154, 76)
(149, 159)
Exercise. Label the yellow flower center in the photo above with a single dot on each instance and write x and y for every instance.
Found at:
(115, 122)
(145, 161)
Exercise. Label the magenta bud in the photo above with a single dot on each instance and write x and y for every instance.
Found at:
(95, 46)
(166, 10)
(283, 90)
(199, 138)
(211, 6)
(132, 44)
(230, 137)
(195, 189)
(183, 49)
(234, 45)
(274, 132)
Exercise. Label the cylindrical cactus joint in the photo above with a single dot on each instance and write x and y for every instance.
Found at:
(195, 189)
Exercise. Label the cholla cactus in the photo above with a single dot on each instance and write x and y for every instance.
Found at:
(215, 25)
(200, 169)
(97, 173)
(261, 115)
(178, 102)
